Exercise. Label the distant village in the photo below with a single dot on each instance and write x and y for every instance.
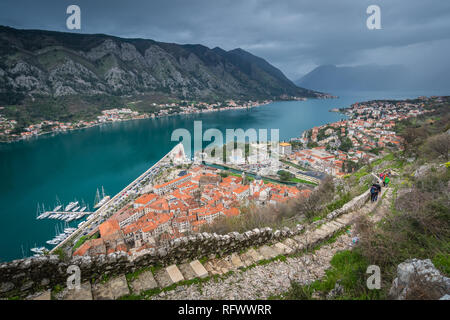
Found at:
(7, 126)
(339, 148)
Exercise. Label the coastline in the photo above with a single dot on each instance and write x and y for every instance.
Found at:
(141, 117)
(147, 116)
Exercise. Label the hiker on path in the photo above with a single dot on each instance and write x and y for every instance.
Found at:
(386, 181)
(373, 193)
(379, 190)
(378, 186)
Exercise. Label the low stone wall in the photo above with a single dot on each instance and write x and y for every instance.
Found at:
(26, 276)
(354, 204)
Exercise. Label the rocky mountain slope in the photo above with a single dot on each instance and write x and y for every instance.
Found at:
(366, 77)
(331, 78)
(46, 63)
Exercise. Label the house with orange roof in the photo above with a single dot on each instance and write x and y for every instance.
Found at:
(109, 227)
(167, 186)
(159, 206)
(242, 191)
(231, 212)
(91, 247)
(145, 200)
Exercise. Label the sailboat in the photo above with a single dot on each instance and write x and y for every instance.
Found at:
(38, 212)
(83, 206)
(98, 203)
(58, 205)
(41, 213)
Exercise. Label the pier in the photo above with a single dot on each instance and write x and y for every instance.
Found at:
(64, 215)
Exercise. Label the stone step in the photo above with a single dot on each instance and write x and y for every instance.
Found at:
(162, 278)
(83, 293)
(186, 271)
(336, 223)
(223, 266)
(174, 273)
(145, 281)
(320, 231)
(283, 248)
(210, 268)
(199, 269)
(267, 252)
(46, 295)
(315, 236)
(246, 259)
(302, 242)
(332, 228)
(254, 255)
(119, 286)
(291, 244)
(345, 219)
(325, 229)
(102, 291)
(113, 289)
(341, 221)
(236, 261)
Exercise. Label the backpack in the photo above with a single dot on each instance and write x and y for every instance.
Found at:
(373, 189)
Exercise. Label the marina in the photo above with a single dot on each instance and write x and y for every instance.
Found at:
(133, 188)
(71, 212)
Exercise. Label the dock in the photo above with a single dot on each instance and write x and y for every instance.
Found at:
(61, 214)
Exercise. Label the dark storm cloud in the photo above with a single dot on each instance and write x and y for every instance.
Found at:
(294, 35)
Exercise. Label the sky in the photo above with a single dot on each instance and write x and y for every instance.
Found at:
(294, 35)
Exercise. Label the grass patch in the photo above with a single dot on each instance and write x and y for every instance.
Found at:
(348, 268)
(134, 275)
(339, 203)
(442, 262)
(60, 253)
(80, 241)
(388, 157)
(294, 165)
(203, 260)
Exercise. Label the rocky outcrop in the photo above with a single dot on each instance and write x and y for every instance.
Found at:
(419, 279)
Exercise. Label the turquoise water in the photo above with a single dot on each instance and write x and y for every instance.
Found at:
(75, 164)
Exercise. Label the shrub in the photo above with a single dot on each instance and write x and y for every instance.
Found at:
(438, 146)
(418, 227)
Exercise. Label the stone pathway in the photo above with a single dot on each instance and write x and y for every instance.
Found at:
(254, 274)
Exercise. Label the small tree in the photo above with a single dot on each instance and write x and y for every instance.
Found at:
(439, 145)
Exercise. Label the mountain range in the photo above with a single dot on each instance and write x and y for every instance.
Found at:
(331, 78)
(36, 63)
